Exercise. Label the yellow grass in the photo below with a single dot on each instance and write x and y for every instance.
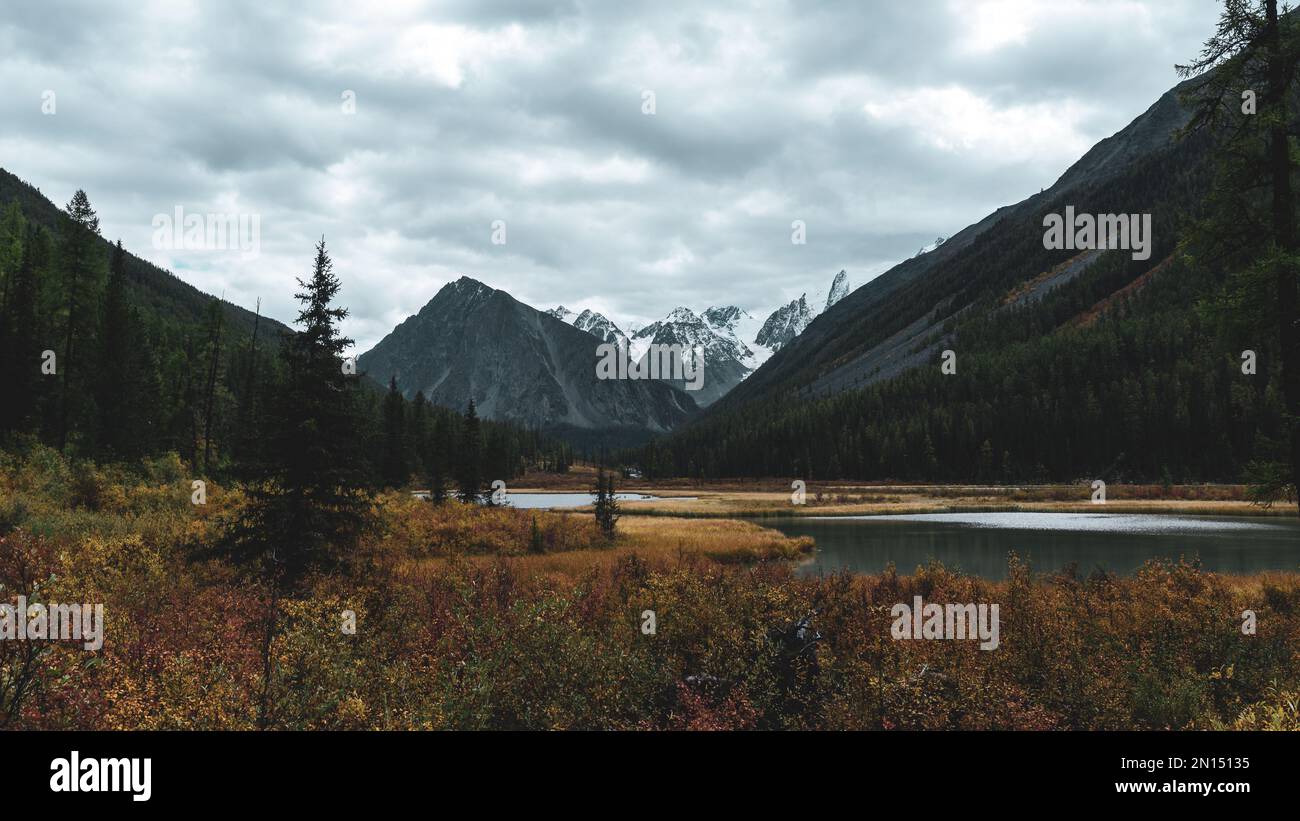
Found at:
(844, 500)
(657, 540)
(726, 498)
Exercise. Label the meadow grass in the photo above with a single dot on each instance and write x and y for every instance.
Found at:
(465, 619)
(657, 540)
(841, 500)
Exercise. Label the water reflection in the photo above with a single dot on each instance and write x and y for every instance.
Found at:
(978, 543)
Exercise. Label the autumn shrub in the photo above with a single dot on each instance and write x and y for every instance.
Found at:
(1279, 709)
(699, 624)
(415, 527)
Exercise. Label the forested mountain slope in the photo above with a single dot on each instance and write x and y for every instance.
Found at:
(153, 289)
(1069, 364)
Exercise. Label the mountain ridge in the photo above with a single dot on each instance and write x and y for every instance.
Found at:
(839, 348)
(156, 288)
(517, 363)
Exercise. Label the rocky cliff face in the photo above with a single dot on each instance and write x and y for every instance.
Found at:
(600, 327)
(785, 324)
(839, 289)
(726, 358)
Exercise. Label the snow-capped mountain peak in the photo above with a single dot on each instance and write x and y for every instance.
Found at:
(728, 316)
(784, 324)
(599, 326)
(741, 328)
(839, 289)
(734, 342)
(680, 314)
(928, 248)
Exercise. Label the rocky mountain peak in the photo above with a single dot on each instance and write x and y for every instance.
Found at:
(839, 289)
(785, 324)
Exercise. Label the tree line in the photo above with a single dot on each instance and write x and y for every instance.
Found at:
(1153, 390)
(1183, 368)
(92, 368)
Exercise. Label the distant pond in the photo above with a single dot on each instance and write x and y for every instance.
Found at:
(557, 501)
(978, 543)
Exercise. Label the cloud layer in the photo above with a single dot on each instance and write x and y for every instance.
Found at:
(880, 125)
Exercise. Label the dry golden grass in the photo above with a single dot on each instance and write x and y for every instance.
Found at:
(868, 500)
(726, 498)
(1259, 583)
(722, 540)
(658, 540)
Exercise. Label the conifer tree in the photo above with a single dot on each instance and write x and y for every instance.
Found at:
(1243, 94)
(215, 318)
(112, 396)
(142, 421)
(418, 434)
(248, 421)
(436, 459)
(81, 272)
(469, 477)
(311, 504)
(13, 234)
(535, 543)
(606, 505)
(21, 339)
(395, 469)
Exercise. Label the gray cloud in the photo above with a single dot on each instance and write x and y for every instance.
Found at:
(880, 125)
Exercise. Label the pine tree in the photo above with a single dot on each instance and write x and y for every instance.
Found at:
(1255, 49)
(418, 438)
(535, 543)
(311, 505)
(598, 507)
(81, 272)
(469, 476)
(181, 406)
(13, 235)
(606, 505)
(396, 473)
(20, 357)
(116, 401)
(215, 317)
(248, 419)
(142, 422)
(497, 455)
(436, 458)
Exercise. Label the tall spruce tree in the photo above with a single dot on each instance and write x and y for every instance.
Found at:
(113, 399)
(1243, 93)
(248, 419)
(216, 317)
(183, 401)
(418, 434)
(606, 506)
(142, 421)
(396, 471)
(469, 474)
(20, 357)
(81, 274)
(536, 544)
(436, 459)
(311, 504)
(13, 234)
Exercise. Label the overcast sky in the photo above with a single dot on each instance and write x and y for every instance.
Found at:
(881, 125)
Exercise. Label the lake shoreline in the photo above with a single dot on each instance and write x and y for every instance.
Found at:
(761, 505)
(724, 500)
(981, 543)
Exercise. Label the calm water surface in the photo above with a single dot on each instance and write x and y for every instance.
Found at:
(978, 543)
(539, 501)
(562, 500)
